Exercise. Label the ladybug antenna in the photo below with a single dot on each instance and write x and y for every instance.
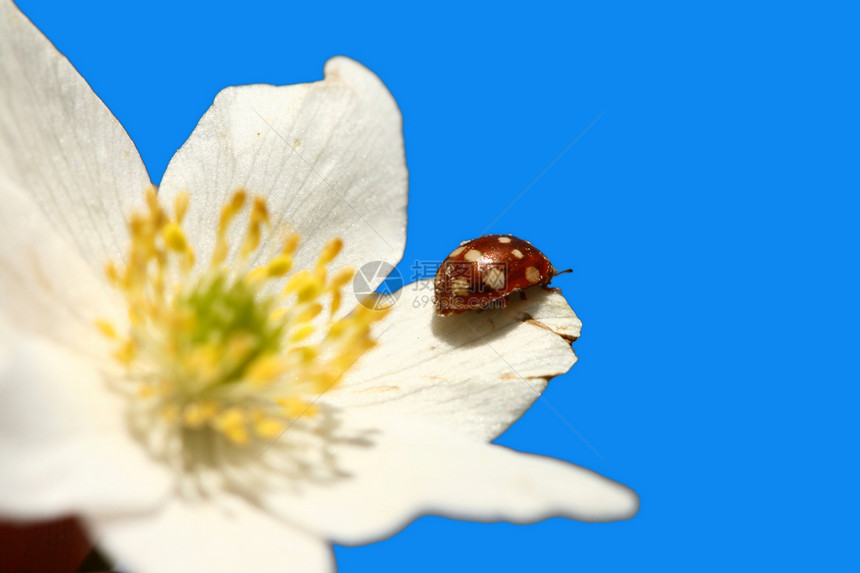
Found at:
(557, 272)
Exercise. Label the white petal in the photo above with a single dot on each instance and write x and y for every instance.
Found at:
(46, 288)
(477, 372)
(328, 156)
(61, 150)
(410, 468)
(224, 534)
(63, 445)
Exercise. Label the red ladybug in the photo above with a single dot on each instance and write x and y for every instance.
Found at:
(482, 273)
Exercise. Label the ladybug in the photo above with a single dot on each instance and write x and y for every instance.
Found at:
(482, 273)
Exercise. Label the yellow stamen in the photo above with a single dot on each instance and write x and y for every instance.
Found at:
(266, 369)
(296, 407)
(206, 348)
(106, 328)
(302, 332)
(269, 428)
(343, 276)
(197, 414)
(228, 213)
(232, 424)
(290, 244)
(330, 251)
(309, 313)
(280, 265)
(230, 210)
(180, 206)
(174, 238)
(259, 218)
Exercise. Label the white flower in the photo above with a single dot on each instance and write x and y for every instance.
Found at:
(216, 400)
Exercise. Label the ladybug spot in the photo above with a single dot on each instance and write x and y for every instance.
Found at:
(473, 255)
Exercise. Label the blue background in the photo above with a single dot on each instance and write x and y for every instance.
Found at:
(709, 214)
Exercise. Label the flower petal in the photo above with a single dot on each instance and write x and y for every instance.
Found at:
(477, 372)
(327, 156)
(63, 446)
(46, 288)
(61, 149)
(213, 536)
(410, 468)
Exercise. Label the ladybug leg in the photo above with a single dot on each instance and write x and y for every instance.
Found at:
(552, 289)
(523, 295)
